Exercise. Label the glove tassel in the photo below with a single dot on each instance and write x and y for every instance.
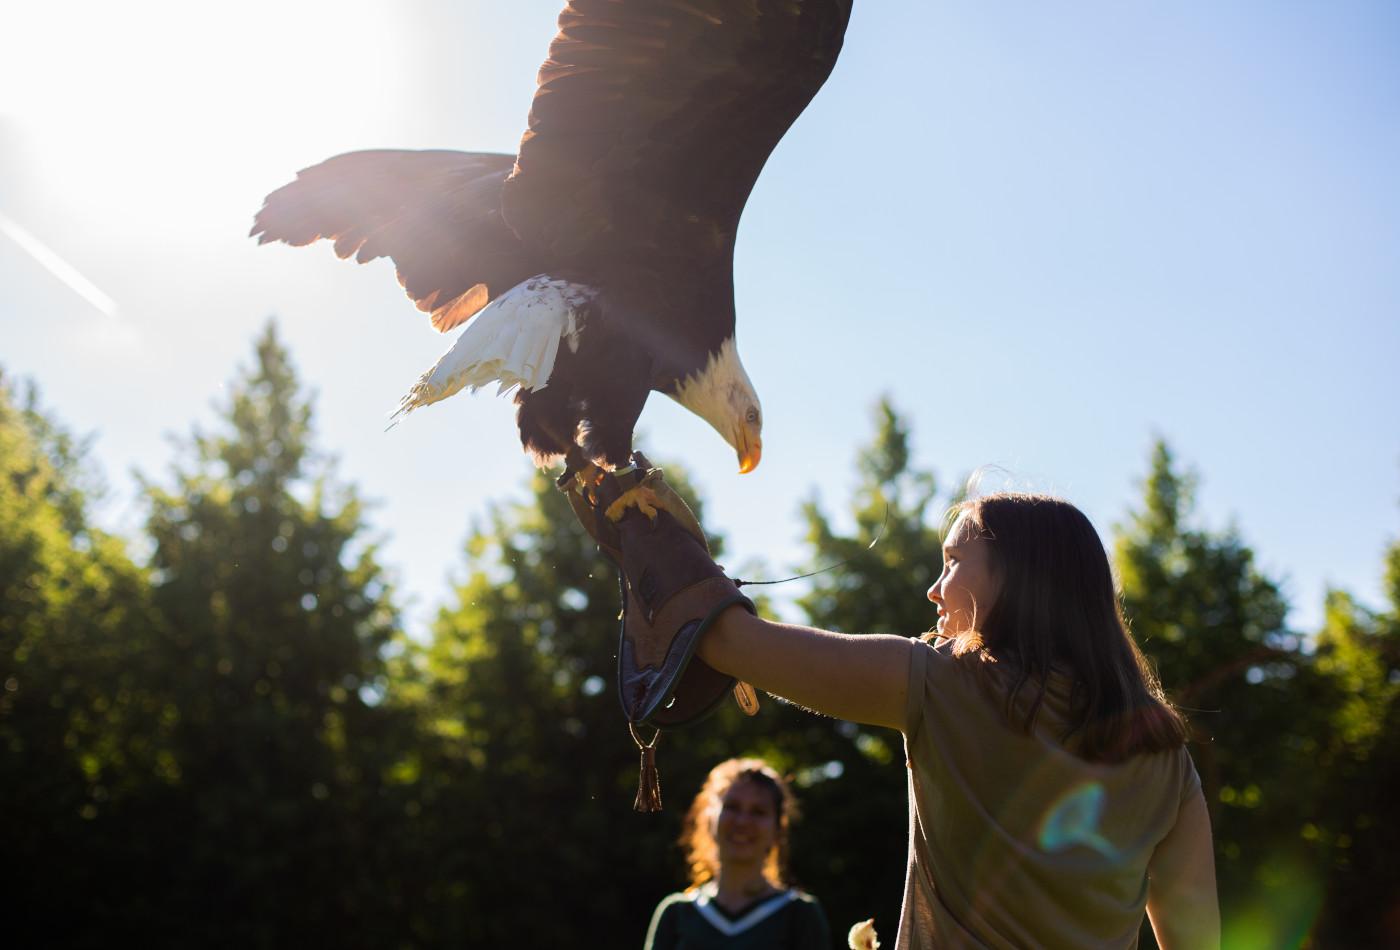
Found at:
(649, 781)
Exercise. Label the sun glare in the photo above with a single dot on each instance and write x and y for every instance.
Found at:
(172, 108)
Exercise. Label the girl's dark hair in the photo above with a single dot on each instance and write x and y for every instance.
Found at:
(698, 831)
(1057, 609)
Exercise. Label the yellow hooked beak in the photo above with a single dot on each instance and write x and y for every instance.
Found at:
(750, 451)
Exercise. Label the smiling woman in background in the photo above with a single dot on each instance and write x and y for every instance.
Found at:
(735, 839)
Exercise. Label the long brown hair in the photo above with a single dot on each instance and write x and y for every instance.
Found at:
(1058, 609)
(698, 831)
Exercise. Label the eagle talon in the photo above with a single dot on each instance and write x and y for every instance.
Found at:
(573, 463)
(640, 497)
(579, 474)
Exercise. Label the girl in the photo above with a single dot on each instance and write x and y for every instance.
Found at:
(735, 839)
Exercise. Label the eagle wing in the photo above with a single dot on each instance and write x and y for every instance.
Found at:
(437, 214)
(653, 118)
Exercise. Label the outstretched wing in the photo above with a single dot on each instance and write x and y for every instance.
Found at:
(653, 119)
(437, 214)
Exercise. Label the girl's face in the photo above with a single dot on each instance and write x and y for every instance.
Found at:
(968, 586)
(747, 826)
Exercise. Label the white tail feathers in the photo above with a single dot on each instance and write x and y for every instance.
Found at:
(512, 342)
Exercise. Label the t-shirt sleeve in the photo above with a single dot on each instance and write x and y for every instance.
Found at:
(919, 652)
(1191, 779)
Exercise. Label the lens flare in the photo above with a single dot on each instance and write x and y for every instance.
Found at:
(1073, 821)
(49, 259)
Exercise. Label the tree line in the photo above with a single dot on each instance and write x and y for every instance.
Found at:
(220, 732)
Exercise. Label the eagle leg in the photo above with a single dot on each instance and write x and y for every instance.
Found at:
(574, 463)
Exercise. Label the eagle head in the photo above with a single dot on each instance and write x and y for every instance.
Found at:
(723, 396)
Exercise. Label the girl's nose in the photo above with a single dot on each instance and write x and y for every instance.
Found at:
(933, 594)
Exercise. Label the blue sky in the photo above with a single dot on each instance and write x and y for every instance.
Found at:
(1049, 234)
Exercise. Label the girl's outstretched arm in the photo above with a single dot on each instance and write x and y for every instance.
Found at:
(1181, 898)
(863, 678)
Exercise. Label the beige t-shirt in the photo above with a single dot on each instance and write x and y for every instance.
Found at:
(1013, 841)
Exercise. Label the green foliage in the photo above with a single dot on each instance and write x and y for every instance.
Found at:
(1355, 826)
(531, 778)
(79, 735)
(884, 584)
(860, 838)
(279, 617)
(203, 751)
(1215, 628)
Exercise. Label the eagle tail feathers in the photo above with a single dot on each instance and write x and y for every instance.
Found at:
(514, 342)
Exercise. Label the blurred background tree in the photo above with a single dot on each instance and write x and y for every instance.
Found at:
(81, 738)
(527, 786)
(863, 812)
(1211, 622)
(280, 824)
(1259, 706)
(1358, 759)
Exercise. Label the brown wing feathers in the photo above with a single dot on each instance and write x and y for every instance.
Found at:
(652, 115)
(435, 213)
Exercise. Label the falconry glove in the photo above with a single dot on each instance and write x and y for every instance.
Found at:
(672, 590)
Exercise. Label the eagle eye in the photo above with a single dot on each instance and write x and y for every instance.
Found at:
(751, 417)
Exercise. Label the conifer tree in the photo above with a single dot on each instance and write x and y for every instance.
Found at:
(876, 590)
(1215, 626)
(280, 617)
(1358, 755)
(81, 738)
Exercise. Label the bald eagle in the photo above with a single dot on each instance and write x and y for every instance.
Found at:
(596, 265)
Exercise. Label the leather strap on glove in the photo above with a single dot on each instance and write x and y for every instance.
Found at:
(672, 591)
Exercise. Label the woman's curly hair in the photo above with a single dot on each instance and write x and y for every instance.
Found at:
(697, 839)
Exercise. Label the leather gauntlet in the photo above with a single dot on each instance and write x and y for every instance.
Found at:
(672, 590)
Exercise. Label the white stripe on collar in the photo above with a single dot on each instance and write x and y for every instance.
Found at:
(732, 928)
